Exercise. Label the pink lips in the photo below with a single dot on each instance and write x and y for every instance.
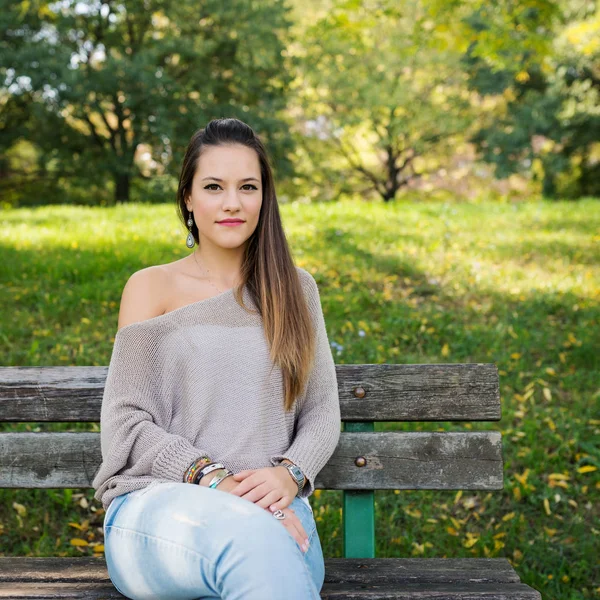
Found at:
(230, 223)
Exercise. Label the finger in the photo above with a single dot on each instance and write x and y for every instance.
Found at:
(254, 492)
(296, 530)
(280, 504)
(268, 500)
(243, 474)
(241, 488)
(298, 525)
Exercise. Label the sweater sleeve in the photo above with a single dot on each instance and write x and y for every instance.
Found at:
(136, 411)
(318, 422)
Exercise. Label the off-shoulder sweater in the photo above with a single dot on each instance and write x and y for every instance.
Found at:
(199, 380)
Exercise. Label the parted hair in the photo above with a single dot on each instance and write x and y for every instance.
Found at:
(268, 270)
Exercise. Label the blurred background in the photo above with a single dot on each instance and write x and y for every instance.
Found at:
(380, 99)
(437, 166)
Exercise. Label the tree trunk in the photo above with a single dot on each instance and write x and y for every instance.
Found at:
(122, 181)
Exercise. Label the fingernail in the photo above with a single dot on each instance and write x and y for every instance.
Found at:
(306, 542)
(304, 548)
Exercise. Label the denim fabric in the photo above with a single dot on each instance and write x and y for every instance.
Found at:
(177, 540)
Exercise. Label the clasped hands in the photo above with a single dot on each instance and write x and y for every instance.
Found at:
(270, 488)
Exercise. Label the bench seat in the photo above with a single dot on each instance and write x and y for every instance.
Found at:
(356, 578)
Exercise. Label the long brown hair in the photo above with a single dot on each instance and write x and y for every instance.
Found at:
(267, 270)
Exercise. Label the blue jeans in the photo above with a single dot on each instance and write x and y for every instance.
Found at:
(178, 540)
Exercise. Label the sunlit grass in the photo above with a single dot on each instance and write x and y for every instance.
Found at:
(516, 285)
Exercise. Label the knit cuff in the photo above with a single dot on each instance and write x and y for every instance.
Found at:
(174, 459)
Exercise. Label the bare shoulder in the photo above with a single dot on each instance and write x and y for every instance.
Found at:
(143, 296)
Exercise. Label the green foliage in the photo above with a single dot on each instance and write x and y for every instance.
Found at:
(382, 91)
(512, 284)
(547, 121)
(110, 92)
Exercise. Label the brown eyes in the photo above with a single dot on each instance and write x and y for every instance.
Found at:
(206, 187)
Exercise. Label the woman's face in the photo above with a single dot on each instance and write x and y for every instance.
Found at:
(238, 194)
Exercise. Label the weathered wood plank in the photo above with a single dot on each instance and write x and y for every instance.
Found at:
(451, 460)
(378, 392)
(336, 591)
(337, 570)
(394, 578)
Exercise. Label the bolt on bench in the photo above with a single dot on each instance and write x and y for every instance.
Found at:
(364, 461)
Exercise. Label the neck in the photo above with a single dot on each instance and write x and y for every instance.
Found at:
(221, 267)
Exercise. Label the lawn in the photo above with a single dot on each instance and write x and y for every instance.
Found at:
(414, 282)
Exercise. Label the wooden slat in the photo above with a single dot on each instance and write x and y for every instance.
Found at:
(334, 591)
(438, 392)
(396, 578)
(394, 460)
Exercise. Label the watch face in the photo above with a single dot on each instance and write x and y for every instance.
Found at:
(297, 472)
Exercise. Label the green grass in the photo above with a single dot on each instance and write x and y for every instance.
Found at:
(512, 284)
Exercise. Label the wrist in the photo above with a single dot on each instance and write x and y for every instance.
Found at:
(205, 481)
(295, 484)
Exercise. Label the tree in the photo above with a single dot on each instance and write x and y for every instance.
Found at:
(383, 90)
(96, 81)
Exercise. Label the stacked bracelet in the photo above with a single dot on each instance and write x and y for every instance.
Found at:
(193, 469)
(217, 480)
(206, 470)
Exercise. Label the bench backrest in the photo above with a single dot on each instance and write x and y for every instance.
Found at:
(365, 459)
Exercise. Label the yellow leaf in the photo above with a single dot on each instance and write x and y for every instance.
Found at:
(549, 531)
(518, 555)
(509, 516)
(515, 355)
(20, 509)
(547, 394)
(550, 371)
(99, 548)
(547, 507)
(458, 496)
(522, 479)
(560, 476)
(445, 350)
(78, 542)
(587, 469)
(550, 421)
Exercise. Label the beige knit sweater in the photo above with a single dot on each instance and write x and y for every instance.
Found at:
(198, 380)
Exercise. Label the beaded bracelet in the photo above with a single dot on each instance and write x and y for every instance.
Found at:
(193, 469)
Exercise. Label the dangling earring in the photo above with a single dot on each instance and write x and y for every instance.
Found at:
(190, 238)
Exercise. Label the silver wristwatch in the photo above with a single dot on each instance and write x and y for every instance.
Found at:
(296, 473)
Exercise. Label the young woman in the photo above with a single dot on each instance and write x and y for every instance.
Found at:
(221, 404)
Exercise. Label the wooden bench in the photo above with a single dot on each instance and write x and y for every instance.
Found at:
(364, 461)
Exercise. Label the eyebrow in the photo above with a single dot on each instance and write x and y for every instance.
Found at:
(217, 179)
